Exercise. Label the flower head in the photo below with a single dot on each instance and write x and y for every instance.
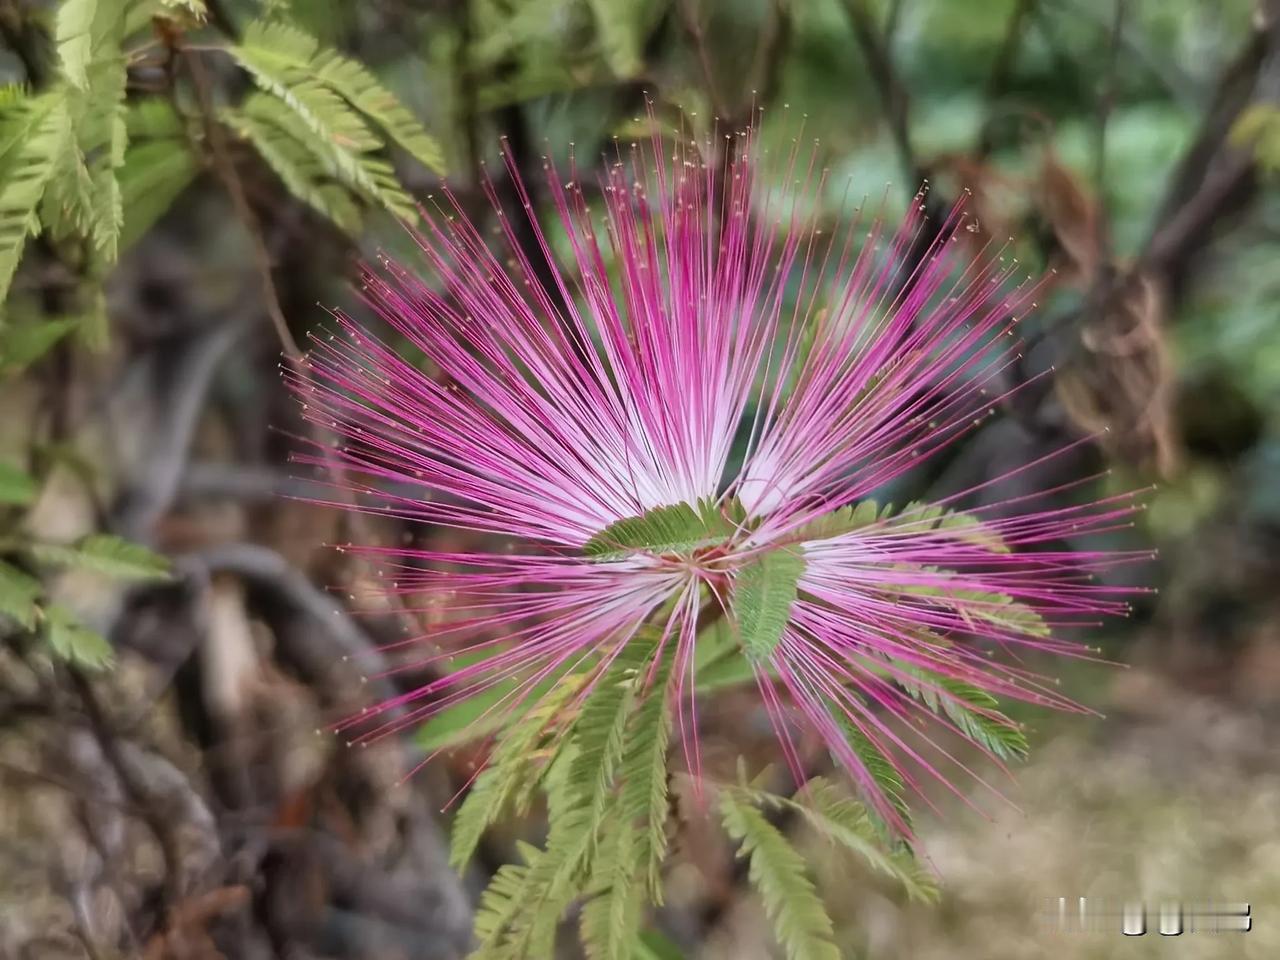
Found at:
(680, 435)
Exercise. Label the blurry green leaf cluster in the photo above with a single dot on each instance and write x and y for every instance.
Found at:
(91, 159)
(89, 165)
(24, 599)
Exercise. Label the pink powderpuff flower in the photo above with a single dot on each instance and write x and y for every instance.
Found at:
(685, 428)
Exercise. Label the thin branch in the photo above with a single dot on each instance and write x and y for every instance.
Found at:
(1178, 84)
(893, 93)
(1106, 102)
(225, 168)
(1002, 71)
(770, 52)
(698, 37)
(892, 19)
(1215, 176)
(1232, 94)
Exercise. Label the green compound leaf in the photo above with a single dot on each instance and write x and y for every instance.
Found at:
(763, 592)
(505, 902)
(331, 98)
(35, 135)
(357, 84)
(73, 31)
(610, 921)
(605, 842)
(522, 906)
(842, 520)
(998, 609)
(676, 529)
(75, 643)
(620, 31)
(22, 344)
(18, 595)
(285, 63)
(778, 873)
(17, 488)
(105, 554)
(1003, 611)
(974, 711)
(83, 197)
(922, 518)
(886, 776)
(599, 737)
(280, 58)
(158, 166)
(915, 517)
(643, 797)
(305, 164)
(293, 64)
(509, 774)
(848, 823)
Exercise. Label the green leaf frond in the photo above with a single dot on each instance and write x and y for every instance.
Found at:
(158, 166)
(610, 922)
(644, 777)
(988, 606)
(974, 711)
(763, 591)
(606, 787)
(779, 874)
(76, 643)
(620, 31)
(851, 826)
(510, 774)
(18, 595)
(357, 84)
(37, 132)
(887, 777)
(957, 524)
(679, 528)
(315, 123)
(915, 517)
(305, 165)
(106, 554)
(846, 519)
(73, 33)
(83, 196)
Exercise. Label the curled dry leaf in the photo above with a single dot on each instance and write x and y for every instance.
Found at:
(1073, 213)
(1118, 379)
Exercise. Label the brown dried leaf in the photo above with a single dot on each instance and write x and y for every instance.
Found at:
(1073, 213)
(1119, 381)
